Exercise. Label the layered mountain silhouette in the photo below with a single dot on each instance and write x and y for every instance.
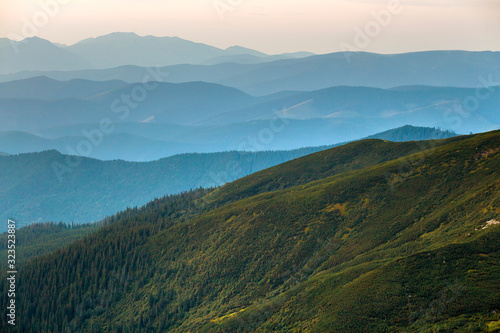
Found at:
(169, 118)
(431, 68)
(36, 54)
(164, 185)
(119, 49)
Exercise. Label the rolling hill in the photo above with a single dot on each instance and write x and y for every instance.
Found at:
(387, 244)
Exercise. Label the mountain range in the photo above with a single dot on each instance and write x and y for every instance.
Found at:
(159, 184)
(36, 54)
(171, 118)
(50, 186)
(119, 49)
(163, 185)
(430, 68)
(372, 236)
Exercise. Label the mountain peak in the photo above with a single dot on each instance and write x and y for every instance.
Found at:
(36, 39)
(121, 34)
(109, 37)
(236, 49)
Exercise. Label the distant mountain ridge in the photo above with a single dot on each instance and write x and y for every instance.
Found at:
(222, 116)
(202, 117)
(150, 142)
(430, 68)
(36, 54)
(44, 88)
(119, 49)
(183, 104)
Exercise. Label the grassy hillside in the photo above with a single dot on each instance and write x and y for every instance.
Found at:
(391, 245)
(353, 156)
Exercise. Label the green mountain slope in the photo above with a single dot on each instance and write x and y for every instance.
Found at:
(353, 156)
(408, 244)
(32, 191)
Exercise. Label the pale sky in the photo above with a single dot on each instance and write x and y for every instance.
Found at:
(271, 26)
